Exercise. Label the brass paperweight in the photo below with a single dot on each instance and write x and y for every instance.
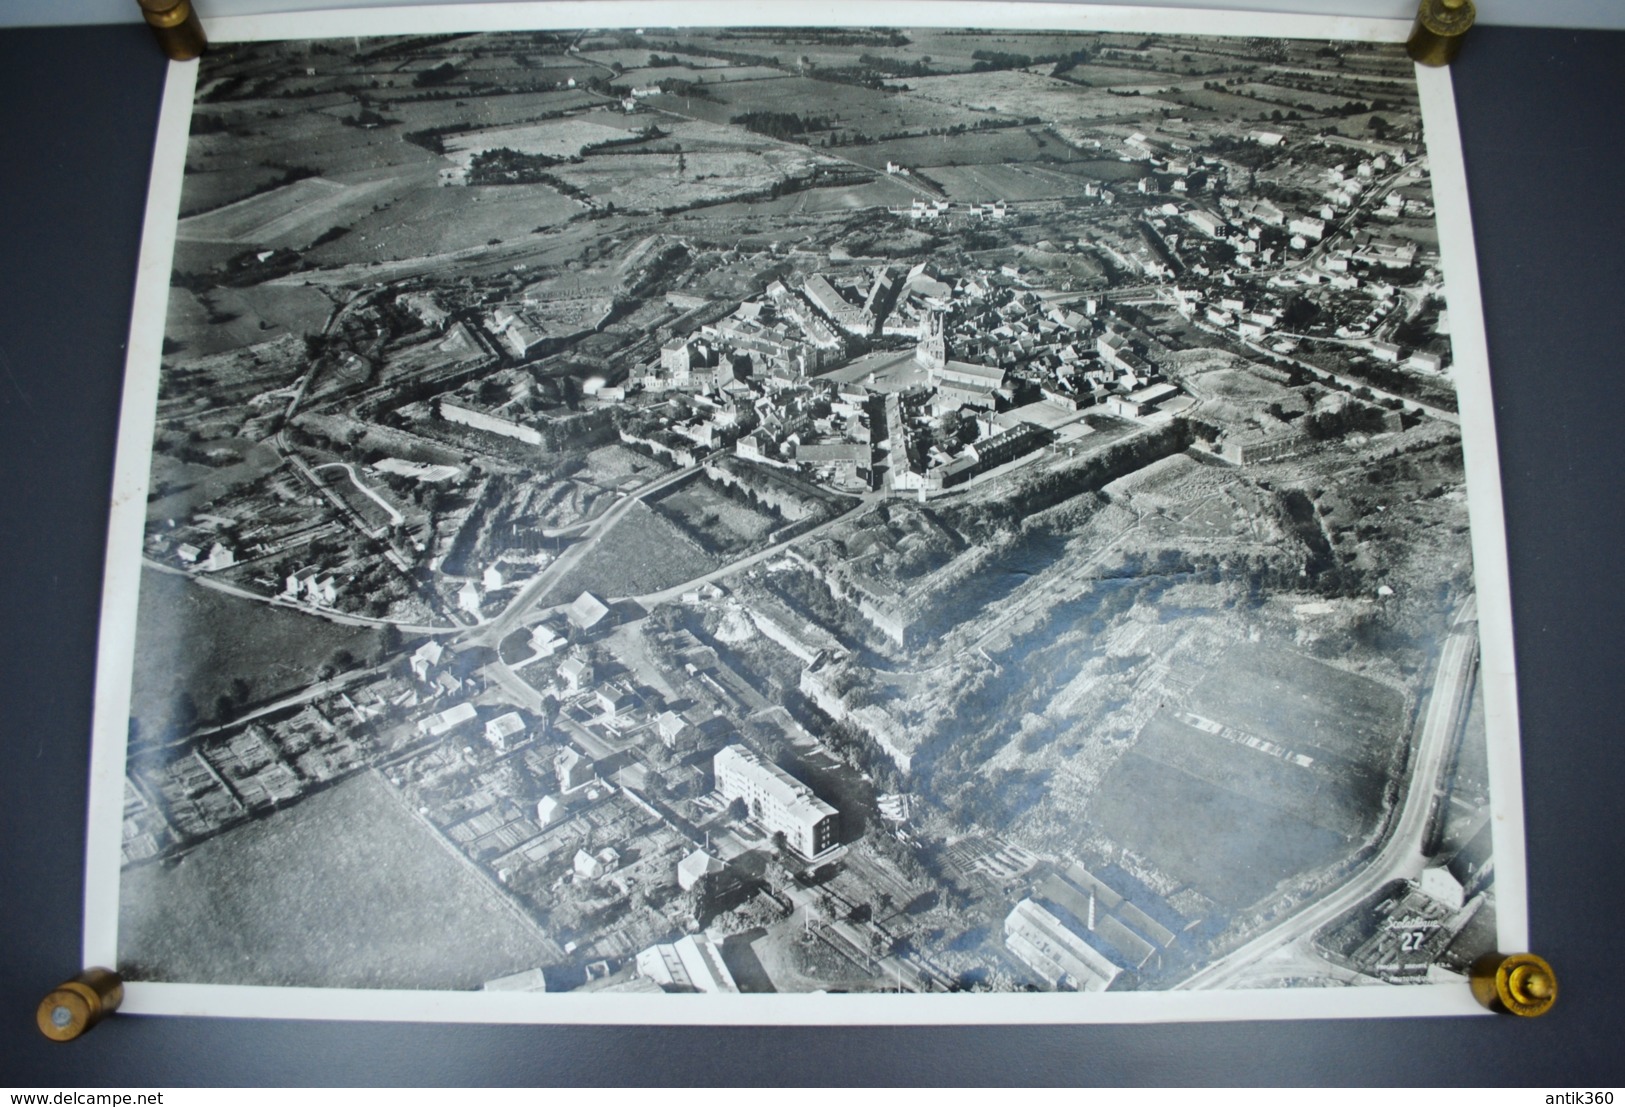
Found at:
(76, 1005)
(176, 26)
(1518, 984)
(1436, 35)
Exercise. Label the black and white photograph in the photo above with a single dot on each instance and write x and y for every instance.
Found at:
(908, 512)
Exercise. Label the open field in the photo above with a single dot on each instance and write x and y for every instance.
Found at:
(849, 107)
(339, 152)
(981, 183)
(1007, 144)
(295, 213)
(206, 191)
(722, 524)
(719, 74)
(345, 889)
(615, 465)
(559, 138)
(1323, 799)
(1277, 97)
(642, 552)
(640, 182)
(1020, 93)
(489, 111)
(197, 486)
(883, 192)
(437, 220)
(1230, 848)
(1303, 704)
(1228, 103)
(198, 640)
(234, 318)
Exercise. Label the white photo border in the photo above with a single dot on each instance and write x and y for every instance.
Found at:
(116, 647)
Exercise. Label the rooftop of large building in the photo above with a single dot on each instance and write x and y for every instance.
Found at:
(794, 796)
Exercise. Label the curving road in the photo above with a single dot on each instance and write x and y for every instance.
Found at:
(502, 625)
(395, 517)
(327, 613)
(665, 595)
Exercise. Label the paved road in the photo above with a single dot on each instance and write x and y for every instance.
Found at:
(497, 629)
(516, 688)
(395, 517)
(304, 695)
(342, 617)
(665, 595)
(1401, 857)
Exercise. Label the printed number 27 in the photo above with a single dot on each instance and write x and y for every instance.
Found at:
(1412, 940)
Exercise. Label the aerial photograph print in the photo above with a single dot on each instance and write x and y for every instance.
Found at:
(806, 510)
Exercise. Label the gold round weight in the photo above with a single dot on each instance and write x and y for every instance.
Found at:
(76, 1005)
(1440, 24)
(176, 26)
(1521, 984)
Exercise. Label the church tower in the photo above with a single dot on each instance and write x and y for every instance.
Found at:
(932, 351)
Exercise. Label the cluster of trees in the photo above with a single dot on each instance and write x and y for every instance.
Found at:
(784, 125)
(367, 118)
(439, 75)
(695, 90)
(1352, 417)
(508, 166)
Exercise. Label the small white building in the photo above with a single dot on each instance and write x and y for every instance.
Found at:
(502, 730)
(549, 809)
(591, 866)
(690, 964)
(695, 865)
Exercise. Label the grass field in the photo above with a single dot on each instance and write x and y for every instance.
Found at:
(1311, 794)
(242, 317)
(434, 220)
(490, 111)
(615, 465)
(345, 889)
(867, 111)
(642, 552)
(640, 182)
(884, 192)
(1008, 144)
(722, 525)
(204, 191)
(1224, 103)
(193, 639)
(265, 216)
(1303, 704)
(1020, 94)
(341, 154)
(1276, 97)
(712, 75)
(1230, 848)
(1233, 820)
(558, 138)
(979, 183)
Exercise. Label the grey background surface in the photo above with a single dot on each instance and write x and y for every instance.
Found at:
(1541, 118)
